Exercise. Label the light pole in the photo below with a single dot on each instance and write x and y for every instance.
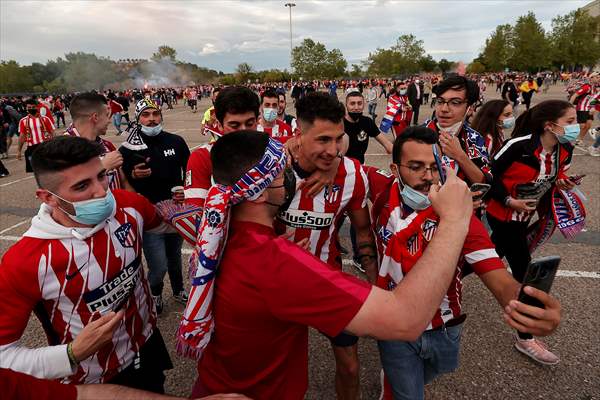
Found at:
(290, 5)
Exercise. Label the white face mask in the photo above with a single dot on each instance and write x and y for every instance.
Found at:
(152, 130)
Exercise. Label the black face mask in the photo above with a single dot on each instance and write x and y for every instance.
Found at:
(32, 111)
(289, 184)
(355, 116)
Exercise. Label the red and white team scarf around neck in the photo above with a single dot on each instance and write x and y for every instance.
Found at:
(197, 323)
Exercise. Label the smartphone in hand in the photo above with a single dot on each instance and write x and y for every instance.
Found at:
(438, 162)
(480, 187)
(139, 159)
(540, 275)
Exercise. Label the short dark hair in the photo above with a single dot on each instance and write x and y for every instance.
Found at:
(419, 134)
(62, 153)
(319, 105)
(269, 93)
(279, 95)
(354, 93)
(86, 103)
(234, 154)
(31, 101)
(457, 82)
(533, 120)
(236, 100)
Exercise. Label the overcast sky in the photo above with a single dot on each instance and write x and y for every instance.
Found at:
(222, 34)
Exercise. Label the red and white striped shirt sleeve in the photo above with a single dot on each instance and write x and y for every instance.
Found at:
(478, 249)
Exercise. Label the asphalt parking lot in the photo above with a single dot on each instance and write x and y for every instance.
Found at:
(490, 367)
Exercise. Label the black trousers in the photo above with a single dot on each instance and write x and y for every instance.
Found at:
(416, 114)
(146, 372)
(510, 239)
(27, 154)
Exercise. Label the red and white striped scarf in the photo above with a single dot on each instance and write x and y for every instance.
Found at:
(197, 323)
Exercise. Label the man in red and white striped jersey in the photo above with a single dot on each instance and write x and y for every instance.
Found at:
(33, 130)
(91, 117)
(320, 133)
(584, 100)
(81, 259)
(236, 108)
(268, 122)
(404, 225)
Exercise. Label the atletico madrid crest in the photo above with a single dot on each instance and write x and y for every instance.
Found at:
(333, 196)
(428, 228)
(412, 244)
(125, 235)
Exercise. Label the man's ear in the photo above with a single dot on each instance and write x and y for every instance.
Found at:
(48, 198)
(394, 170)
(44, 195)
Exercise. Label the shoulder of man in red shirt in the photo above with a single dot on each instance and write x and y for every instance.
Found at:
(198, 176)
(125, 199)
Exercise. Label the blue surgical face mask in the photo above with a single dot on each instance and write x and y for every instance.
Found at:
(571, 132)
(269, 114)
(152, 130)
(93, 211)
(411, 197)
(508, 122)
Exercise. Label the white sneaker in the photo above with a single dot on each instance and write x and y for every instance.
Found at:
(594, 151)
(594, 132)
(536, 350)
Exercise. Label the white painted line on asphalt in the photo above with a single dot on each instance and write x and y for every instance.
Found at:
(579, 274)
(16, 181)
(563, 273)
(10, 228)
(9, 238)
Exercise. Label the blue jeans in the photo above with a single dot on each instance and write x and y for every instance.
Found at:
(408, 366)
(163, 253)
(372, 107)
(116, 120)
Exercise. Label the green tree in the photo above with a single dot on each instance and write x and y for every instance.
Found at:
(531, 46)
(243, 72)
(406, 56)
(165, 51)
(498, 49)
(445, 65)
(475, 67)
(86, 71)
(15, 78)
(427, 63)
(355, 72)
(573, 40)
(312, 60)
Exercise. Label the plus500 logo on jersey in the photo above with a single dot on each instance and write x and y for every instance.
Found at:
(114, 293)
(306, 219)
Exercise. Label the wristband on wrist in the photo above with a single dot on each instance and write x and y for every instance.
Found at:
(71, 355)
(507, 201)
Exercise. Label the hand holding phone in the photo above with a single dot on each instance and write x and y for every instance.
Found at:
(540, 275)
(483, 188)
(537, 312)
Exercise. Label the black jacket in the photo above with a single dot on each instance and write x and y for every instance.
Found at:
(168, 155)
(411, 92)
